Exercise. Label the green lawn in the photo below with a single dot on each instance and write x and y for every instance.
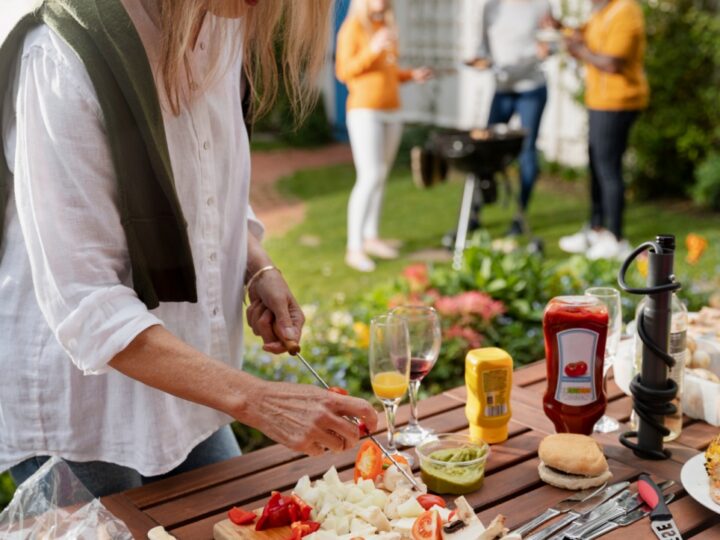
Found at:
(311, 255)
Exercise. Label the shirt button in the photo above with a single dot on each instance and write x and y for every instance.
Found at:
(215, 311)
(210, 201)
(213, 256)
(206, 145)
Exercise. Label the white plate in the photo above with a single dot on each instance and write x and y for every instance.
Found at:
(696, 482)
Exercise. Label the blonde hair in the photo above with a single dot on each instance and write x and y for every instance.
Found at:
(301, 27)
(360, 9)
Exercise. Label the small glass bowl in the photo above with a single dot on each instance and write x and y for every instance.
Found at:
(442, 474)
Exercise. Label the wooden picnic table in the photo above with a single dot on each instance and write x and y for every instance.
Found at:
(189, 505)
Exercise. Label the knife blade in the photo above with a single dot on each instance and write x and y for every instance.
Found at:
(624, 521)
(294, 349)
(661, 520)
(585, 507)
(559, 508)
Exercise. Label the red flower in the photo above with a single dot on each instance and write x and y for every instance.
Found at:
(417, 276)
(470, 336)
(470, 303)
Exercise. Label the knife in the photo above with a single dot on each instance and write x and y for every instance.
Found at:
(294, 349)
(560, 508)
(661, 520)
(627, 502)
(585, 507)
(607, 506)
(624, 521)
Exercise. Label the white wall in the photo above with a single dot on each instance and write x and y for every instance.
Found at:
(443, 33)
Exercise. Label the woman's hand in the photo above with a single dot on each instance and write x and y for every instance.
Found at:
(274, 314)
(382, 40)
(422, 74)
(575, 44)
(306, 418)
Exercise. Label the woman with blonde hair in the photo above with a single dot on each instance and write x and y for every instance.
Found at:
(367, 54)
(127, 243)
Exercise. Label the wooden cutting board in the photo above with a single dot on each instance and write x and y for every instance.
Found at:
(227, 530)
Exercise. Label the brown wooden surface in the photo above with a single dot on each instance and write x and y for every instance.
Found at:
(190, 505)
(226, 530)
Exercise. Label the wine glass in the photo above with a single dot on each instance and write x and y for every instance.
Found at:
(423, 324)
(611, 298)
(389, 358)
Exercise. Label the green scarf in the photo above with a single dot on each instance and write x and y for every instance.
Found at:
(103, 36)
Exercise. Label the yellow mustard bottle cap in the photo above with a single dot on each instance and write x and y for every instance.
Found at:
(490, 435)
(487, 353)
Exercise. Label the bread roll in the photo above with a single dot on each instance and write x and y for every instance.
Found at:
(573, 454)
(569, 481)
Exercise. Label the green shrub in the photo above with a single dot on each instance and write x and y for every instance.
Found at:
(7, 488)
(706, 190)
(681, 126)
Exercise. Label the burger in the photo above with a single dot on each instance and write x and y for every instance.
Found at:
(570, 461)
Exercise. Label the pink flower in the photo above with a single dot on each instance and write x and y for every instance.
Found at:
(470, 303)
(417, 276)
(470, 336)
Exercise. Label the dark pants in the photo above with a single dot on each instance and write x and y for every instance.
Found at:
(529, 106)
(608, 138)
(101, 478)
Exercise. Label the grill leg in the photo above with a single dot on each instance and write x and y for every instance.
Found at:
(464, 221)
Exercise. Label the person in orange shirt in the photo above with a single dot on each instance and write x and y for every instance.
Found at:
(612, 47)
(366, 61)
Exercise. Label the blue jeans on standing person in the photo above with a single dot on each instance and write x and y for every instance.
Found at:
(101, 478)
(529, 106)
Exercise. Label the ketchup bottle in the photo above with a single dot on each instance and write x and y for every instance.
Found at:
(575, 330)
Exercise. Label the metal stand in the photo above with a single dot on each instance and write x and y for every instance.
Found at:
(652, 390)
(466, 207)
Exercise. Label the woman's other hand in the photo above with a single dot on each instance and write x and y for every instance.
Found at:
(306, 418)
(479, 63)
(575, 44)
(382, 40)
(549, 21)
(422, 74)
(274, 314)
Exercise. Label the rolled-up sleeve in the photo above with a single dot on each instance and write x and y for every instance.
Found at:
(66, 196)
(255, 226)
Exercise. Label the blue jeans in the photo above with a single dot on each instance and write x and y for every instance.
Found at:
(530, 106)
(102, 479)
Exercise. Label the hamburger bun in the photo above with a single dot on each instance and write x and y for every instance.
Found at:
(570, 461)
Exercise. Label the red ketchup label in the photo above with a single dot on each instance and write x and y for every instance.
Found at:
(577, 349)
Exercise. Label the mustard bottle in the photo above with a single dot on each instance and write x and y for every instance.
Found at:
(488, 377)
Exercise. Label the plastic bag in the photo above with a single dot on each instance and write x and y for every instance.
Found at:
(54, 505)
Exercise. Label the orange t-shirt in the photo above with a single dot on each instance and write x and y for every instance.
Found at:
(618, 30)
(373, 78)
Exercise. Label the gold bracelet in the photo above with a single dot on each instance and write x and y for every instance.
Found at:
(254, 278)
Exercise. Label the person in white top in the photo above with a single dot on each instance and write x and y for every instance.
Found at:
(89, 373)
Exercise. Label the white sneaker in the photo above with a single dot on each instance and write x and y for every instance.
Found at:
(380, 249)
(359, 261)
(608, 247)
(579, 242)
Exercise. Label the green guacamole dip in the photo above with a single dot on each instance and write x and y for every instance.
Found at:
(445, 472)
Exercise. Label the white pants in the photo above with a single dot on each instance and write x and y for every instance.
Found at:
(374, 138)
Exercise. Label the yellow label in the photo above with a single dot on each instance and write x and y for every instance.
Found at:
(494, 394)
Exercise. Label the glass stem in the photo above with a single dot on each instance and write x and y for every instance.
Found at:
(391, 407)
(414, 387)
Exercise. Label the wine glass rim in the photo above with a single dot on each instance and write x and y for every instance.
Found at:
(411, 307)
(602, 291)
(387, 319)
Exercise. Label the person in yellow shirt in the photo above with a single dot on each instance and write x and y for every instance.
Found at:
(366, 61)
(612, 47)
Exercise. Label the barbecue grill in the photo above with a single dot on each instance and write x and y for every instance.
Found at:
(481, 154)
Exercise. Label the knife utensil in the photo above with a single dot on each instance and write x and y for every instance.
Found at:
(580, 509)
(294, 350)
(605, 507)
(661, 520)
(622, 505)
(624, 521)
(559, 508)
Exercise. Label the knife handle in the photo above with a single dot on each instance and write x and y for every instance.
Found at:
(653, 497)
(595, 523)
(547, 532)
(602, 530)
(536, 522)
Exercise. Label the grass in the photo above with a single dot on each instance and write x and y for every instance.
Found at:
(311, 255)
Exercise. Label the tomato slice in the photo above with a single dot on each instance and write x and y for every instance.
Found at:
(428, 526)
(368, 463)
(428, 500)
(241, 517)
